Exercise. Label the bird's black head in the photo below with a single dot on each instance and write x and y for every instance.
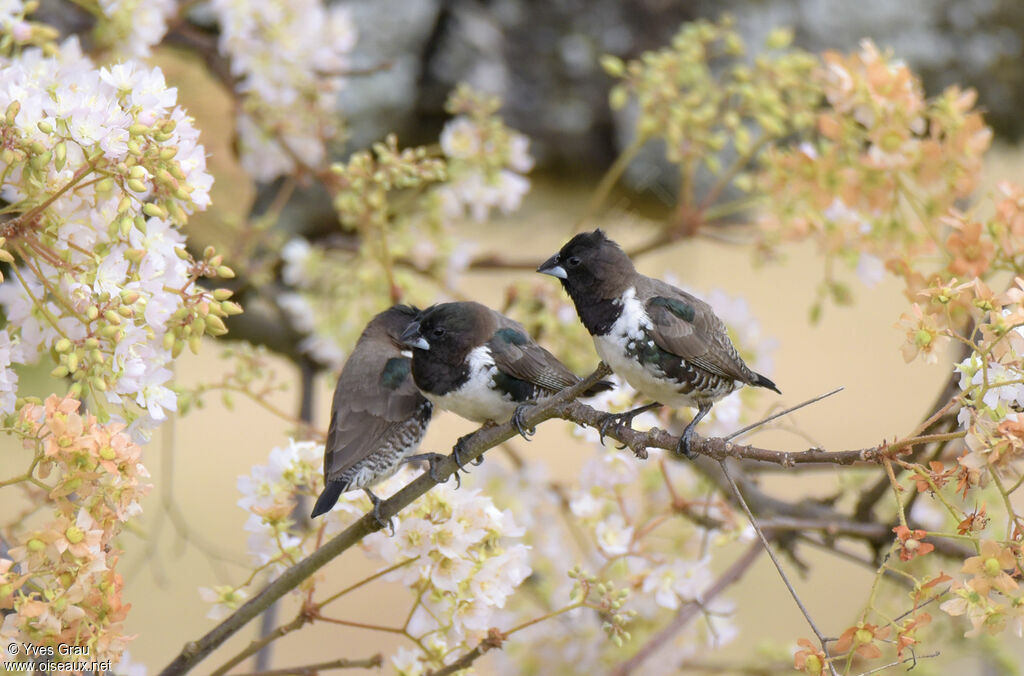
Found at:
(447, 332)
(390, 324)
(591, 267)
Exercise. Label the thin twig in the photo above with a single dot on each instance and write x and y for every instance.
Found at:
(912, 658)
(783, 412)
(309, 669)
(778, 566)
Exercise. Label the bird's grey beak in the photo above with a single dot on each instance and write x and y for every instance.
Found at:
(551, 267)
(411, 337)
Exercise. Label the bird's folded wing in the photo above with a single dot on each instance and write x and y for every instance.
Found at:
(372, 400)
(515, 353)
(687, 327)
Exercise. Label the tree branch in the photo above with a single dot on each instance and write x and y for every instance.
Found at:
(715, 448)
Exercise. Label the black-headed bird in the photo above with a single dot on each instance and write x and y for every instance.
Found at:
(666, 343)
(481, 365)
(378, 417)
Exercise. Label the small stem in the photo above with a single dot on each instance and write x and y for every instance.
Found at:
(357, 585)
(31, 214)
(895, 491)
(360, 625)
(546, 616)
(783, 412)
(778, 566)
(1011, 515)
(310, 669)
(38, 303)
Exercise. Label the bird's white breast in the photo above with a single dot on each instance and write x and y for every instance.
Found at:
(632, 326)
(477, 400)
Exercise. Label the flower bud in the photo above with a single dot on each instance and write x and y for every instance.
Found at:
(60, 155)
(231, 308)
(74, 535)
(215, 326)
(12, 111)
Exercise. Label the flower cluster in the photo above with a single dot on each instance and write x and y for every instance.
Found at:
(290, 59)
(101, 170)
(646, 527)
(401, 203)
(486, 160)
(702, 95)
(883, 168)
(458, 553)
(129, 29)
(466, 561)
(336, 292)
(994, 569)
(60, 579)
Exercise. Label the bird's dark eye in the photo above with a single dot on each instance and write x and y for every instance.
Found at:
(438, 332)
(573, 261)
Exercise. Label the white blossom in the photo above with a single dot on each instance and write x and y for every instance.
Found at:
(613, 535)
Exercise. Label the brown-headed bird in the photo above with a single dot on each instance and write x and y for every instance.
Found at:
(481, 365)
(666, 343)
(378, 417)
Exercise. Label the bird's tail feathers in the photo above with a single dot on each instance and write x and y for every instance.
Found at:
(332, 491)
(598, 387)
(761, 381)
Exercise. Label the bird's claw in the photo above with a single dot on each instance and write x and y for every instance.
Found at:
(520, 424)
(684, 444)
(624, 419)
(457, 453)
(432, 460)
(686, 439)
(375, 513)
